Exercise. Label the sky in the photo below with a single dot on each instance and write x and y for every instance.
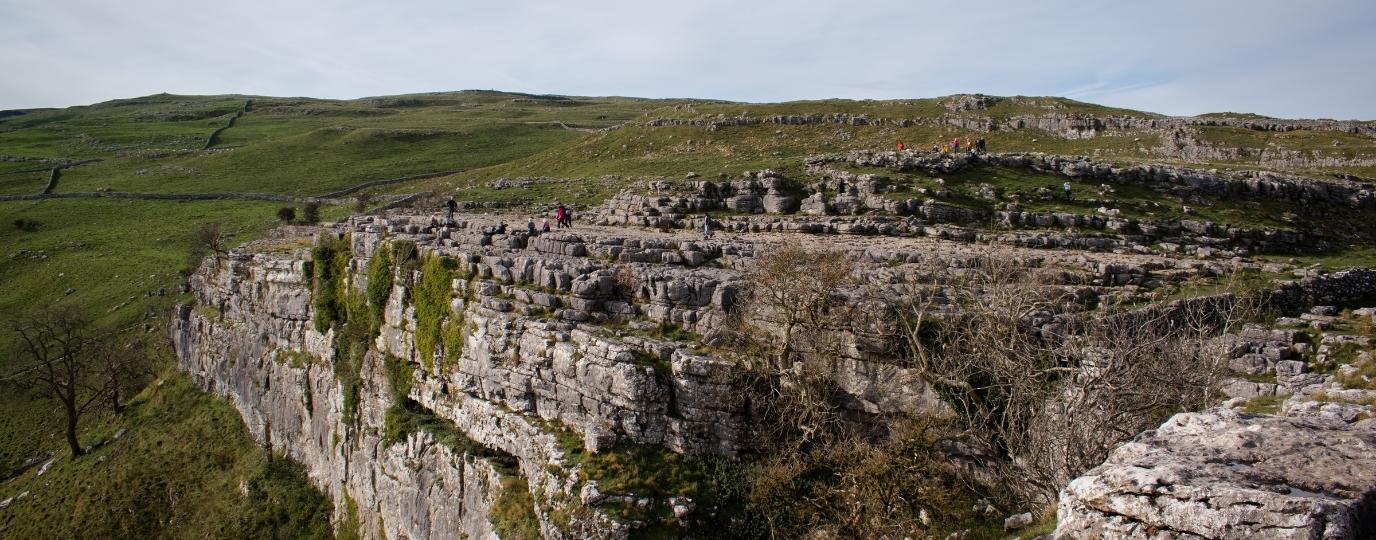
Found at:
(1284, 58)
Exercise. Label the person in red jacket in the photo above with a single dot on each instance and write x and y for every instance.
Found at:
(901, 147)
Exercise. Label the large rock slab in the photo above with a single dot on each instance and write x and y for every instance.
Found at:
(1227, 474)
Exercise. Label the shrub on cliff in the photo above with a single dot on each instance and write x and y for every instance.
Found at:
(819, 473)
(380, 272)
(513, 513)
(311, 215)
(329, 263)
(432, 297)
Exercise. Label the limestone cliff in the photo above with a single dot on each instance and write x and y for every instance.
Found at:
(545, 340)
(426, 373)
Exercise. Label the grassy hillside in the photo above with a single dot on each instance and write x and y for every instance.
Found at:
(291, 146)
(183, 466)
(120, 261)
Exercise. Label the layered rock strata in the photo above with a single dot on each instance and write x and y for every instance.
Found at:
(555, 340)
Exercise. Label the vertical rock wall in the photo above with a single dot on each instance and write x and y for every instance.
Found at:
(414, 489)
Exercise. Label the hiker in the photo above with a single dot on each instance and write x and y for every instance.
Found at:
(969, 146)
(955, 144)
(901, 147)
(501, 229)
(546, 227)
(706, 227)
(979, 145)
(568, 218)
(530, 227)
(1066, 188)
(559, 214)
(841, 188)
(452, 206)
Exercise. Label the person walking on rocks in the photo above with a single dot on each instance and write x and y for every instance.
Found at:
(980, 145)
(530, 227)
(452, 206)
(955, 145)
(901, 146)
(1066, 188)
(560, 214)
(706, 227)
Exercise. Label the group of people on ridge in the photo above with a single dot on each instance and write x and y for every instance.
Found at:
(563, 217)
(977, 146)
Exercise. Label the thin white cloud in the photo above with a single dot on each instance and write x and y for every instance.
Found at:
(1272, 56)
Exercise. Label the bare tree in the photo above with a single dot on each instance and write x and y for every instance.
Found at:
(1042, 385)
(209, 240)
(790, 333)
(55, 359)
(796, 301)
(124, 363)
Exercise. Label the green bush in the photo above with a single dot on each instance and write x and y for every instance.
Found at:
(312, 213)
(26, 224)
(513, 513)
(432, 297)
(329, 264)
(279, 498)
(349, 529)
(351, 349)
(399, 377)
(379, 286)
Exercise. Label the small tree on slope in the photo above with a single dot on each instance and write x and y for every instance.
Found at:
(56, 359)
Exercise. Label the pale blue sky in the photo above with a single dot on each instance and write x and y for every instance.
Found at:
(1311, 58)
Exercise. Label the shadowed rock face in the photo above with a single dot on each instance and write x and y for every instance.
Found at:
(1225, 474)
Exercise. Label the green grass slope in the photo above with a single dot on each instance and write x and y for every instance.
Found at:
(183, 467)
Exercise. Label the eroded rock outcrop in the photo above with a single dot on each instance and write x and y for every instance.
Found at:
(1226, 474)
